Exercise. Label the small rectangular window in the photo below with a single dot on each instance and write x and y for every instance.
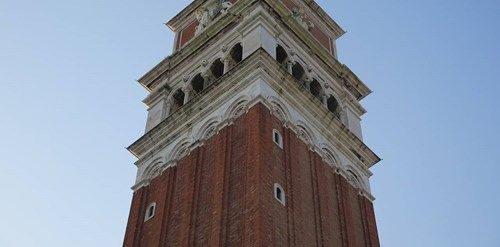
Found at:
(279, 194)
(277, 138)
(150, 211)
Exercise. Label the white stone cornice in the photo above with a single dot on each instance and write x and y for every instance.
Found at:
(151, 99)
(258, 79)
(250, 70)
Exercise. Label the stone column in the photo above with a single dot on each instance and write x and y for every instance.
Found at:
(187, 93)
(206, 78)
(227, 64)
(307, 83)
(166, 109)
(289, 66)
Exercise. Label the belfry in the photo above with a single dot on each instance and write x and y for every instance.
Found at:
(253, 135)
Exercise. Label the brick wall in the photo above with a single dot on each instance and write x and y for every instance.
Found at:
(221, 194)
(187, 34)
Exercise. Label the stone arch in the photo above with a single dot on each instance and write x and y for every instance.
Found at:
(208, 129)
(354, 177)
(305, 133)
(180, 150)
(279, 109)
(154, 169)
(237, 108)
(216, 69)
(197, 84)
(298, 72)
(281, 55)
(330, 156)
(176, 100)
(236, 54)
(333, 106)
(316, 89)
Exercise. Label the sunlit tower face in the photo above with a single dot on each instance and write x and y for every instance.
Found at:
(253, 135)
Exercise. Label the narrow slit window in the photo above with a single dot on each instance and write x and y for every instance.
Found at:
(150, 211)
(279, 194)
(277, 138)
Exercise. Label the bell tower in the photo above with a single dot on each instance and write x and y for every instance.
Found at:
(253, 135)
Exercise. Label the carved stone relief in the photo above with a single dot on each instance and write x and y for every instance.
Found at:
(299, 15)
(209, 11)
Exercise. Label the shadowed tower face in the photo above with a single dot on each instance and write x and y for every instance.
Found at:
(253, 134)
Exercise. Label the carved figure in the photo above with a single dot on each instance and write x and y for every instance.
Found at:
(225, 6)
(298, 14)
(208, 12)
(203, 17)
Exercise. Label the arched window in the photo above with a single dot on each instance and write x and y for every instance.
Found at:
(281, 55)
(333, 105)
(235, 56)
(316, 89)
(237, 53)
(198, 83)
(217, 69)
(150, 211)
(279, 194)
(178, 100)
(298, 72)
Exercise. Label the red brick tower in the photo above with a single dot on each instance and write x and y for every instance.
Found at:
(253, 136)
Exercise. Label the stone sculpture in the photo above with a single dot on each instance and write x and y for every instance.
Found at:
(209, 11)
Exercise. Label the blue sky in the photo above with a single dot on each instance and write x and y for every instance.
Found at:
(70, 104)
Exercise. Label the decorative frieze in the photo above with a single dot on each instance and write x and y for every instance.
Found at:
(235, 107)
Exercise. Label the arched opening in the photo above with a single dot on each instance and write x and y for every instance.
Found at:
(178, 100)
(217, 69)
(237, 53)
(198, 84)
(332, 105)
(316, 89)
(298, 71)
(281, 55)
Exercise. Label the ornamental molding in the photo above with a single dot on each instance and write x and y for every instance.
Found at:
(212, 126)
(257, 86)
(241, 9)
(158, 166)
(259, 66)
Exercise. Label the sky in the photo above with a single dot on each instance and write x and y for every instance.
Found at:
(70, 104)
